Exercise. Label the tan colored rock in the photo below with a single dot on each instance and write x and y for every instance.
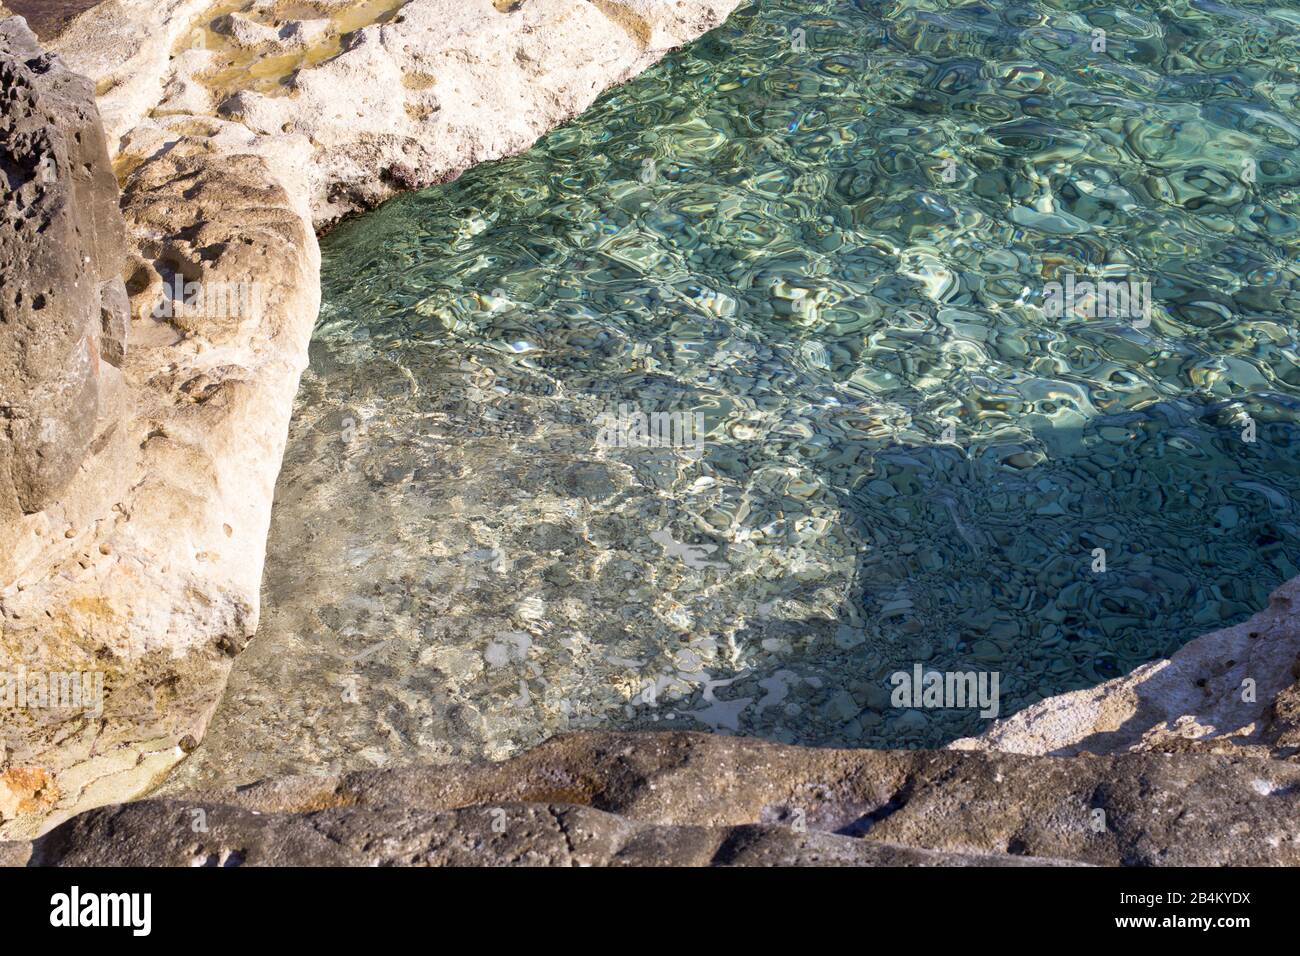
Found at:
(16, 853)
(25, 790)
(162, 591)
(124, 45)
(245, 32)
(438, 87)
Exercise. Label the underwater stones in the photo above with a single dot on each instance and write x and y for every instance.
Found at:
(847, 638)
(910, 723)
(842, 707)
(462, 665)
(588, 480)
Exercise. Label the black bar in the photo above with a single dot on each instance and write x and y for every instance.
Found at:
(491, 907)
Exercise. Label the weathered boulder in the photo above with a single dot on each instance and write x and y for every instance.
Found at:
(63, 305)
(161, 833)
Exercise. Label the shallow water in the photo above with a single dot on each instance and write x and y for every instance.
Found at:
(838, 257)
(47, 17)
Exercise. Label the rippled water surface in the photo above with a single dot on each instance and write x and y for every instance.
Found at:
(833, 246)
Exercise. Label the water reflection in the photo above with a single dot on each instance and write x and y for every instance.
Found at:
(835, 252)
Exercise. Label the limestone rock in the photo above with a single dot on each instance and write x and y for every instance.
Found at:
(245, 32)
(15, 853)
(146, 566)
(410, 100)
(124, 48)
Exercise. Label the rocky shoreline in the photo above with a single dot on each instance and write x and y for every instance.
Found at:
(702, 799)
(148, 562)
(139, 552)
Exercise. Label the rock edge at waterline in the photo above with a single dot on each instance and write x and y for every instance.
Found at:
(694, 799)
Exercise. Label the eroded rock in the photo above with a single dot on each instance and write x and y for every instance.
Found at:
(1230, 691)
(62, 253)
(160, 833)
(46, 17)
(425, 90)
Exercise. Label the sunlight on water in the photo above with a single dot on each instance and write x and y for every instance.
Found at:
(856, 336)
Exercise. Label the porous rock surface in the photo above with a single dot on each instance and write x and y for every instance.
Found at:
(46, 17)
(433, 88)
(62, 253)
(159, 833)
(147, 565)
(698, 799)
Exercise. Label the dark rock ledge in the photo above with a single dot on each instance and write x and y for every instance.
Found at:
(699, 799)
(63, 303)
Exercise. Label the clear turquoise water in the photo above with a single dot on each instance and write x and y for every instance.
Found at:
(833, 254)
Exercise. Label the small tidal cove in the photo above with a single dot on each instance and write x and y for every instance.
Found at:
(855, 340)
